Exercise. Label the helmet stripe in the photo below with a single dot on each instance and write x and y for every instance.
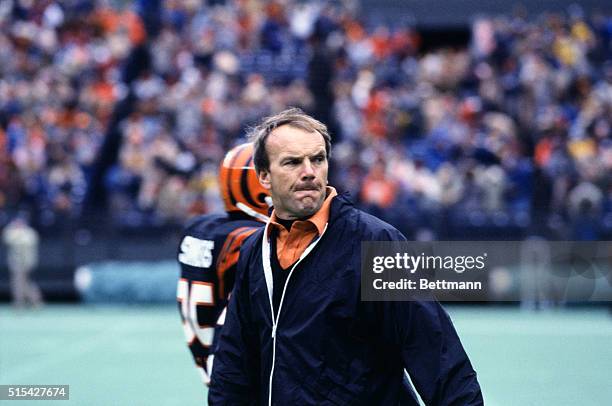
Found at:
(244, 186)
(230, 169)
(230, 251)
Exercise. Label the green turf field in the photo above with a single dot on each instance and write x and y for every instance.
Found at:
(136, 355)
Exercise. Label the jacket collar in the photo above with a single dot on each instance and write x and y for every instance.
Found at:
(339, 205)
(318, 220)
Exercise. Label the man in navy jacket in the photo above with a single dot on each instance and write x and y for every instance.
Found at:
(296, 331)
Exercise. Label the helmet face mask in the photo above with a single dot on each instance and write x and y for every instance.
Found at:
(239, 184)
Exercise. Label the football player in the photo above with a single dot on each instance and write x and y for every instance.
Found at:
(209, 250)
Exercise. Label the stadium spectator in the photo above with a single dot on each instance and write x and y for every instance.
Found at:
(21, 242)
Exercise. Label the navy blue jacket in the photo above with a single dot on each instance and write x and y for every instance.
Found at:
(330, 347)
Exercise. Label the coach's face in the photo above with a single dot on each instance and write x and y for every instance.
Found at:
(297, 175)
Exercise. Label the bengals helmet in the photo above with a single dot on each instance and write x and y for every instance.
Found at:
(240, 187)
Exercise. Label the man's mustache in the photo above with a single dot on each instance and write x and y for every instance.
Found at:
(308, 186)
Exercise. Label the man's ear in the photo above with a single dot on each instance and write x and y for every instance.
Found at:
(264, 179)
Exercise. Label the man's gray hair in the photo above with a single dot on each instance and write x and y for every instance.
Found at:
(293, 117)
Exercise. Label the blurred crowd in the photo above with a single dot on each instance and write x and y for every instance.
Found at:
(510, 132)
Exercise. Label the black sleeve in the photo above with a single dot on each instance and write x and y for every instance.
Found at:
(432, 353)
(235, 375)
(198, 302)
(430, 348)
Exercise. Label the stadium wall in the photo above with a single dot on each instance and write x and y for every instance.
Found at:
(63, 252)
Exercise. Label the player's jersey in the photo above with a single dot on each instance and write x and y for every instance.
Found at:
(208, 255)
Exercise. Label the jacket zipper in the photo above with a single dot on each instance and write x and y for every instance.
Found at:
(268, 276)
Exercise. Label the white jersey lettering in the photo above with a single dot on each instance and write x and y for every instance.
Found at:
(196, 252)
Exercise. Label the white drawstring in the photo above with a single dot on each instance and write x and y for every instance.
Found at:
(265, 252)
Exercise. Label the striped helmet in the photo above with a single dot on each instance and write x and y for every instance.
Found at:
(240, 188)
